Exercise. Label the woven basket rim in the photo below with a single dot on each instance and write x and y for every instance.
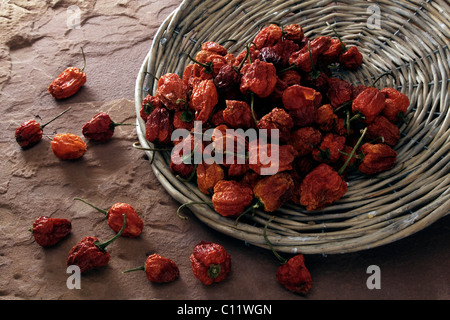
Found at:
(410, 197)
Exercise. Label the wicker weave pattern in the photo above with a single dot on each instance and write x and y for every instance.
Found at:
(412, 43)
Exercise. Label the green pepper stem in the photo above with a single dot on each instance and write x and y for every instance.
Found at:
(251, 208)
(115, 124)
(102, 245)
(314, 73)
(341, 170)
(214, 270)
(280, 258)
(142, 268)
(59, 115)
(84, 60)
(137, 145)
(89, 204)
(208, 66)
(188, 204)
(389, 73)
(339, 38)
(252, 102)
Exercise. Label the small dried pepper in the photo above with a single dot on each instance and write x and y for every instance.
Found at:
(382, 128)
(158, 269)
(210, 262)
(159, 126)
(292, 273)
(230, 197)
(171, 91)
(29, 133)
(396, 104)
(49, 231)
(90, 253)
(115, 218)
(369, 103)
(68, 146)
(149, 104)
(321, 187)
(68, 82)
(101, 128)
(259, 77)
(208, 175)
(273, 191)
(377, 158)
(203, 100)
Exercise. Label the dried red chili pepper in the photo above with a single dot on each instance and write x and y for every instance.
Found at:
(210, 262)
(307, 57)
(193, 74)
(68, 146)
(290, 77)
(321, 187)
(326, 118)
(260, 152)
(203, 100)
(259, 77)
(208, 175)
(378, 157)
(238, 114)
(333, 51)
(230, 197)
(68, 82)
(396, 104)
(245, 57)
(90, 253)
(293, 32)
(212, 46)
(270, 55)
(171, 91)
(115, 218)
(329, 149)
(227, 82)
(101, 128)
(382, 128)
(351, 59)
(159, 126)
(302, 104)
(305, 139)
(284, 49)
(149, 103)
(268, 36)
(181, 164)
(369, 103)
(29, 133)
(294, 275)
(277, 119)
(339, 91)
(273, 191)
(49, 231)
(159, 269)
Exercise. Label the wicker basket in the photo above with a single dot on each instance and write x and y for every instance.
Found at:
(409, 39)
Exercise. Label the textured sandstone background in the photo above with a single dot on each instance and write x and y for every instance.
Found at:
(35, 46)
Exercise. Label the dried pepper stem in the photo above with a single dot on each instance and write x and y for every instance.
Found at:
(353, 151)
(51, 120)
(189, 204)
(105, 212)
(280, 258)
(102, 245)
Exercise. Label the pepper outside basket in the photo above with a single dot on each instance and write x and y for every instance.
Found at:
(410, 39)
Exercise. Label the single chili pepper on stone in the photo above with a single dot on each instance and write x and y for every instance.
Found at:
(49, 231)
(29, 133)
(115, 218)
(210, 262)
(90, 253)
(292, 273)
(69, 81)
(158, 269)
(68, 146)
(101, 128)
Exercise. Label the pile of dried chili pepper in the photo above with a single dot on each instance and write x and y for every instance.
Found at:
(281, 80)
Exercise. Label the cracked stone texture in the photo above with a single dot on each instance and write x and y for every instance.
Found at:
(36, 44)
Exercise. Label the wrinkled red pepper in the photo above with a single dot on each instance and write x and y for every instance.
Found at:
(294, 275)
(115, 218)
(159, 269)
(49, 231)
(230, 197)
(90, 253)
(101, 128)
(210, 262)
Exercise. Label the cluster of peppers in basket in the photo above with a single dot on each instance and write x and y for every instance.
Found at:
(282, 80)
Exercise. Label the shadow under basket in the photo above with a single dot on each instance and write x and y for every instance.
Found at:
(410, 39)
